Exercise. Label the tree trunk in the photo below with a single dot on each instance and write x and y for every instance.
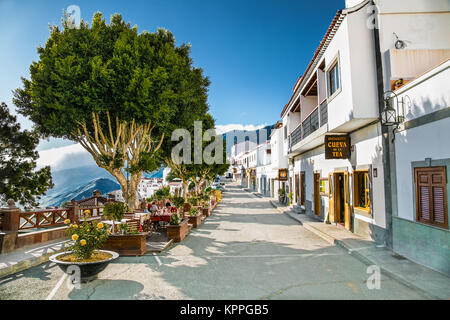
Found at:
(185, 188)
(128, 190)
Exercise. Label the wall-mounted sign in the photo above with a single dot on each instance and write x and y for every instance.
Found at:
(282, 174)
(337, 147)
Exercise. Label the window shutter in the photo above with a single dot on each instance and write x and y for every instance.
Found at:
(438, 197)
(425, 203)
(431, 196)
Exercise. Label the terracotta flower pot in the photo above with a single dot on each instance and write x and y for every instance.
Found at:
(178, 232)
(195, 220)
(88, 270)
(127, 244)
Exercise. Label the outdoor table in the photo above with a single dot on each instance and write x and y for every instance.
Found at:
(142, 216)
(161, 217)
(111, 222)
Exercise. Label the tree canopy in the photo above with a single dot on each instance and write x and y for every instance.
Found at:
(112, 68)
(19, 179)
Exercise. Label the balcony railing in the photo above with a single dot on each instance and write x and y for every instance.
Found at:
(323, 113)
(310, 124)
(42, 219)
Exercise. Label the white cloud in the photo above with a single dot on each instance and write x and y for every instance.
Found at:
(229, 127)
(66, 157)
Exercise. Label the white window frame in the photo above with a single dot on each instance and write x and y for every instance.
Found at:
(335, 62)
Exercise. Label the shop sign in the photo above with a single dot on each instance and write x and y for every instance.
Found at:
(282, 174)
(337, 147)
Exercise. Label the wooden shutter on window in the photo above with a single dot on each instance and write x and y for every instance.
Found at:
(431, 196)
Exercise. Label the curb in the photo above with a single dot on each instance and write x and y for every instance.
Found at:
(27, 264)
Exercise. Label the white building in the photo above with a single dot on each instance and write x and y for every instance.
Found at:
(339, 98)
(278, 160)
(237, 159)
(263, 168)
(146, 188)
(422, 169)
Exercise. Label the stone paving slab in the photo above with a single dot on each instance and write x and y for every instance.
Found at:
(157, 242)
(432, 284)
(29, 256)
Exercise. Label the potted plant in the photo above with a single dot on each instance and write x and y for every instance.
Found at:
(114, 211)
(194, 217)
(178, 202)
(281, 195)
(290, 196)
(398, 83)
(178, 227)
(83, 250)
(206, 209)
(127, 241)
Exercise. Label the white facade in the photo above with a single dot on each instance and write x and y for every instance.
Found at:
(263, 165)
(278, 159)
(421, 143)
(338, 95)
(146, 188)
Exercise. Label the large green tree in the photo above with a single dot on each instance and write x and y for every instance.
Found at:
(192, 171)
(19, 179)
(113, 70)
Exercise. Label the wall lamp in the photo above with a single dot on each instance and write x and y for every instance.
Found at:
(391, 115)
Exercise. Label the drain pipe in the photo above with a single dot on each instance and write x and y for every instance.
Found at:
(385, 138)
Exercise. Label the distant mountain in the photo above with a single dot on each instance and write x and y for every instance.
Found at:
(79, 183)
(104, 185)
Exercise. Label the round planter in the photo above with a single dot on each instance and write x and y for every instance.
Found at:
(89, 270)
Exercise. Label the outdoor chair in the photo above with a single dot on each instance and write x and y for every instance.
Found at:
(133, 224)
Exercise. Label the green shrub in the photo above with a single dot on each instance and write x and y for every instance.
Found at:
(178, 202)
(114, 211)
(193, 212)
(86, 238)
(193, 200)
(175, 219)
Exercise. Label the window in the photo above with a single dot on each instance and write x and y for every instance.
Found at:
(431, 196)
(323, 186)
(285, 132)
(333, 80)
(361, 190)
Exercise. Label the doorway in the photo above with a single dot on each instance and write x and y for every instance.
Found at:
(317, 194)
(302, 188)
(339, 196)
(296, 188)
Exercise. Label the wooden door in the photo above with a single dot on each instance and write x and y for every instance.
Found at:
(331, 197)
(347, 209)
(317, 194)
(302, 187)
(296, 188)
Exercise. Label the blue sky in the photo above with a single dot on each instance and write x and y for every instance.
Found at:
(252, 50)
